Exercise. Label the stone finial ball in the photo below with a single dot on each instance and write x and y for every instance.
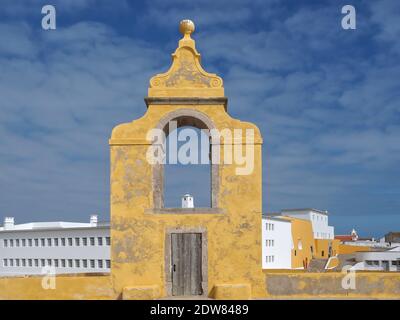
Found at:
(186, 26)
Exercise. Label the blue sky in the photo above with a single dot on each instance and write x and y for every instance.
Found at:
(326, 99)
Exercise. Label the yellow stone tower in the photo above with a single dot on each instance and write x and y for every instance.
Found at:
(161, 252)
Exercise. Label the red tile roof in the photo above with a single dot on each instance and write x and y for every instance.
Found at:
(346, 237)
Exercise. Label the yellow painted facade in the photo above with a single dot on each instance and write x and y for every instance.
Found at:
(140, 226)
(303, 242)
(325, 248)
(348, 249)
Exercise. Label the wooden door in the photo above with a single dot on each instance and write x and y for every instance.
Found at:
(186, 264)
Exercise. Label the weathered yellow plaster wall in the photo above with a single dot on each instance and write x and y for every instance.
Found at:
(138, 230)
(73, 287)
(138, 234)
(298, 285)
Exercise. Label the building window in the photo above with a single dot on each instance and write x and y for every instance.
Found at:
(77, 264)
(30, 242)
(5, 243)
(11, 243)
(108, 264)
(295, 253)
(49, 262)
(5, 263)
(17, 262)
(36, 242)
(56, 263)
(100, 241)
(322, 253)
(17, 242)
(84, 241)
(108, 241)
(70, 242)
(100, 263)
(49, 242)
(23, 242)
(70, 262)
(269, 259)
(42, 242)
(84, 263)
(11, 262)
(77, 242)
(92, 241)
(36, 262)
(63, 242)
(63, 262)
(56, 242)
(42, 262)
(30, 262)
(92, 264)
(24, 262)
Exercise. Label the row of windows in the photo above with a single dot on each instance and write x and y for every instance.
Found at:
(269, 226)
(322, 234)
(269, 259)
(269, 243)
(56, 242)
(376, 263)
(318, 217)
(58, 263)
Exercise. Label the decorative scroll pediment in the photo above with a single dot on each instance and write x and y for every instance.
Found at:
(186, 77)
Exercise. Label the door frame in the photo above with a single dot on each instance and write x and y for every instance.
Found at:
(204, 257)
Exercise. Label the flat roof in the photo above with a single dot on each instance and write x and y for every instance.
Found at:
(53, 226)
(276, 218)
(305, 209)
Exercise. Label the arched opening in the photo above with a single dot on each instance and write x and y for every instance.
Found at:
(187, 169)
(188, 130)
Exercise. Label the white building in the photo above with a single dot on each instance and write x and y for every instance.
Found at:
(69, 247)
(387, 260)
(318, 218)
(276, 243)
(187, 201)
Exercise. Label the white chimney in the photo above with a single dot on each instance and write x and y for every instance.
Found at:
(8, 223)
(187, 201)
(93, 220)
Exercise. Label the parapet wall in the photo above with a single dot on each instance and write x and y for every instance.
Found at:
(280, 285)
(68, 287)
(371, 285)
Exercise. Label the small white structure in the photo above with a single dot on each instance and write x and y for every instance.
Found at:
(388, 260)
(70, 247)
(318, 218)
(8, 223)
(354, 235)
(276, 243)
(187, 201)
(93, 220)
